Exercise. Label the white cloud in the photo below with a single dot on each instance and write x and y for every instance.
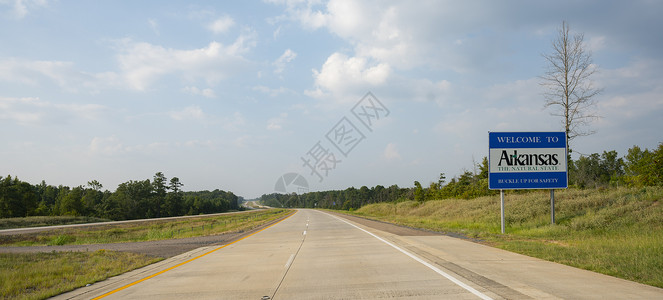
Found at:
(341, 74)
(209, 93)
(221, 25)
(7, 102)
(27, 72)
(234, 122)
(113, 146)
(143, 63)
(21, 8)
(272, 92)
(422, 90)
(62, 73)
(276, 32)
(631, 92)
(275, 124)
(390, 152)
(596, 43)
(198, 143)
(283, 60)
(188, 113)
(106, 145)
(524, 91)
(634, 76)
(429, 34)
(304, 12)
(88, 111)
(154, 25)
(377, 30)
(34, 111)
(242, 141)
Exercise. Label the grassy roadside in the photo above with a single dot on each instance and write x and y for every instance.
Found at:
(38, 221)
(147, 231)
(42, 275)
(618, 232)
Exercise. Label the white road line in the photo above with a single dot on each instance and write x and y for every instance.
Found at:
(432, 267)
(292, 257)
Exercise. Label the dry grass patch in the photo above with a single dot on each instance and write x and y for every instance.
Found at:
(42, 275)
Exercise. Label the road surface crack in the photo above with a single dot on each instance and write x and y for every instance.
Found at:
(290, 263)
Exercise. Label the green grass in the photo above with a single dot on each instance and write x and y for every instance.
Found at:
(618, 232)
(42, 275)
(146, 231)
(38, 221)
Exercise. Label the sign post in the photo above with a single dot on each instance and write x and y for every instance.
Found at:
(502, 208)
(552, 206)
(527, 160)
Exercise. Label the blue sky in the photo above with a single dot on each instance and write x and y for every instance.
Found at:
(234, 95)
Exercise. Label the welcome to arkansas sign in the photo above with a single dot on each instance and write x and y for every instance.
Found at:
(527, 160)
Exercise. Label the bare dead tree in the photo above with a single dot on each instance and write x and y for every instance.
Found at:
(569, 89)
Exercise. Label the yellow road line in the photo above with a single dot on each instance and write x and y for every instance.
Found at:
(186, 262)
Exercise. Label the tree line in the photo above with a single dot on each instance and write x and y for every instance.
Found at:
(161, 197)
(637, 168)
(138, 199)
(350, 198)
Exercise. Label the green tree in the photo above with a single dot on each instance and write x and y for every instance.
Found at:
(174, 199)
(131, 200)
(483, 169)
(612, 167)
(17, 198)
(95, 185)
(441, 180)
(638, 166)
(418, 192)
(657, 169)
(47, 194)
(364, 196)
(72, 203)
(158, 198)
(432, 191)
(588, 171)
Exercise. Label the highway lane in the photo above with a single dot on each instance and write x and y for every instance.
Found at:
(339, 260)
(25, 230)
(314, 255)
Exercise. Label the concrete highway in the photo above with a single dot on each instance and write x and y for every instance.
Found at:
(25, 230)
(314, 255)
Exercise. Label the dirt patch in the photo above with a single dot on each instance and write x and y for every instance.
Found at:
(164, 248)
